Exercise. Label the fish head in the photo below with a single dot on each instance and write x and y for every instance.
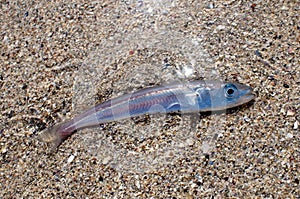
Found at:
(230, 95)
(217, 95)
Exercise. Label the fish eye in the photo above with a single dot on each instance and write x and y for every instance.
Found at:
(230, 90)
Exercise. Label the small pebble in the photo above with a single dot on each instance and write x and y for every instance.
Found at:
(253, 7)
(290, 113)
(247, 119)
(289, 135)
(3, 150)
(198, 177)
(137, 184)
(271, 77)
(210, 6)
(286, 86)
(258, 54)
(188, 71)
(221, 27)
(71, 158)
(296, 124)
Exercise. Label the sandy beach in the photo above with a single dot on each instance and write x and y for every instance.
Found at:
(58, 58)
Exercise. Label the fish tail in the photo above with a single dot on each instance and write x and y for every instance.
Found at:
(54, 135)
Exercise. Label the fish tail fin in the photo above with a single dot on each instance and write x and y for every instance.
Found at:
(54, 135)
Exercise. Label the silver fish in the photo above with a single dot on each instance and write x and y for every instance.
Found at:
(188, 97)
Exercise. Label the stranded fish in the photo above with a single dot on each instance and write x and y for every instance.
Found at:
(187, 97)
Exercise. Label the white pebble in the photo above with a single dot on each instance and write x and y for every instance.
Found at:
(71, 158)
(221, 27)
(137, 184)
(3, 150)
(210, 6)
(220, 135)
(188, 71)
(290, 113)
(296, 124)
(247, 119)
(289, 135)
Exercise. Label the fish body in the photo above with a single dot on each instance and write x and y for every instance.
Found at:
(187, 97)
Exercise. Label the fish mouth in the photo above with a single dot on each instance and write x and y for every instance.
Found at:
(247, 97)
(243, 100)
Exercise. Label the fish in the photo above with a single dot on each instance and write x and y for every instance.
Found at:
(184, 97)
